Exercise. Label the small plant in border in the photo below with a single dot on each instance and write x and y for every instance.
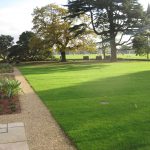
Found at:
(9, 87)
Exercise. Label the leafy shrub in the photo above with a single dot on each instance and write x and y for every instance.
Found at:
(9, 88)
(6, 68)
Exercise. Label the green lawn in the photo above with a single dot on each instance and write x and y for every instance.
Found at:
(74, 92)
(78, 56)
(93, 56)
(132, 56)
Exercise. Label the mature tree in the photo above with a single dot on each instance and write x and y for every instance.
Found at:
(38, 49)
(28, 48)
(15, 54)
(50, 25)
(141, 45)
(147, 18)
(6, 42)
(23, 44)
(110, 18)
(141, 42)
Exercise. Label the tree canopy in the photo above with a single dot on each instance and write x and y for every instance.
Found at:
(55, 31)
(6, 41)
(141, 42)
(141, 45)
(110, 18)
(28, 48)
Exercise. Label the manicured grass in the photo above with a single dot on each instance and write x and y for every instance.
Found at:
(74, 92)
(78, 56)
(132, 56)
(93, 56)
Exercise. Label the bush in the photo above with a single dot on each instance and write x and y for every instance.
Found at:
(6, 68)
(86, 58)
(9, 88)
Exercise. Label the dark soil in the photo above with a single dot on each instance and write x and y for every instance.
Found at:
(9, 106)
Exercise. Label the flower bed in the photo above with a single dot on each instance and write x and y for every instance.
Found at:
(9, 90)
(9, 106)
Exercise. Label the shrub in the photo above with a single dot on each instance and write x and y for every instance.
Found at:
(9, 88)
(86, 58)
(6, 68)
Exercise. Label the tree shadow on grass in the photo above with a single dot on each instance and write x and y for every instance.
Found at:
(123, 124)
(131, 84)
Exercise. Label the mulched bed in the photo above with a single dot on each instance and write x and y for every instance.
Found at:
(9, 106)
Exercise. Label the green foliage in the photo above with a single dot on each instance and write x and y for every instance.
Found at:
(6, 68)
(23, 44)
(147, 17)
(21, 51)
(73, 93)
(110, 18)
(15, 53)
(6, 42)
(9, 87)
(28, 48)
(50, 25)
(141, 45)
(141, 42)
(38, 49)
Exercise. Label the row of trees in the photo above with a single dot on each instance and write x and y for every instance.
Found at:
(51, 32)
(27, 48)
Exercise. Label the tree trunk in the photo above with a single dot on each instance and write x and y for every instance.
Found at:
(104, 53)
(112, 34)
(147, 55)
(63, 56)
(113, 50)
(103, 48)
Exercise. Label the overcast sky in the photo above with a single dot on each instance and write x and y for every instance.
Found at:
(15, 15)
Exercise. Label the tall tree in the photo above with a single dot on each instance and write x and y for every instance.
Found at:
(28, 48)
(38, 49)
(110, 18)
(141, 45)
(141, 42)
(15, 54)
(50, 25)
(6, 42)
(148, 9)
(23, 44)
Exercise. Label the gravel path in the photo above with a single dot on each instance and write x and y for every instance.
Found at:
(42, 131)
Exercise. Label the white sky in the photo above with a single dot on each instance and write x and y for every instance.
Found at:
(15, 15)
